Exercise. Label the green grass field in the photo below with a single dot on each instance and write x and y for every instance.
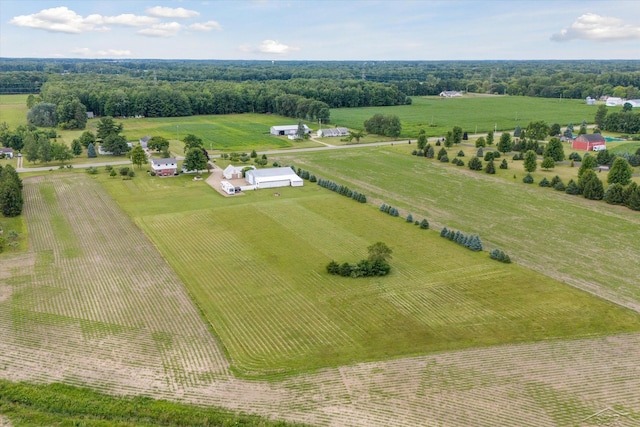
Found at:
(474, 114)
(13, 110)
(586, 243)
(255, 266)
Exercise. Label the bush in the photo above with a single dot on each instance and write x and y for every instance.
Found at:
(575, 156)
(444, 159)
(460, 153)
(123, 171)
(152, 173)
(131, 173)
(544, 183)
(409, 218)
(572, 188)
(490, 168)
(424, 224)
(475, 163)
(528, 179)
(92, 170)
(504, 164)
(488, 156)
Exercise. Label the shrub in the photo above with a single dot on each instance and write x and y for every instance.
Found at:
(496, 155)
(488, 156)
(442, 153)
(528, 179)
(544, 182)
(614, 194)
(444, 159)
(409, 218)
(424, 224)
(572, 188)
(123, 171)
(490, 168)
(559, 186)
(152, 173)
(504, 164)
(460, 153)
(480, 153)
(575, 156)
(92, 170)
(475, 163)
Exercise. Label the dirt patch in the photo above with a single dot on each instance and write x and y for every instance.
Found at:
(4, 421)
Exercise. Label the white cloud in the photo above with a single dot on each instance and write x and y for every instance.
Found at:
(206, 26)
(57, 19)
(129, 20)
(108, 53)
(169, 12)
(64, 20)
(598, 28)
(168, 29)
(274, 46)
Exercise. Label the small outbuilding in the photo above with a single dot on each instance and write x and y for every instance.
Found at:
(450, 94)
(287, 130)
(165, 167)
(333, 132)
(589, 142)
(234, 172)
(273, 177)
(144, 141)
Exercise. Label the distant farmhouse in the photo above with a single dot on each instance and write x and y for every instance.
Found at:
(287, 130)
(6, 153)
(333, 132)
(165, 167)
(273, 177)
(450, 94)
(589, 142)
(144, 141)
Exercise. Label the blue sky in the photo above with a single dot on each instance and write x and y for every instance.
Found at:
(321, 30)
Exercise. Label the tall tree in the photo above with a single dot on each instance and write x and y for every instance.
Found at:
(138, 156)
(43, 115)
(554, 149)
(504, 145)
(538, 130)
(356, 134)
(457, 134)
(76, 147)
(621, 172)
(195, 160)
(158, 143)
(530, 161)
(379, 251)
(192, 141)
(601, 114)
(588, 163)
(422, 139)
(91, 151)
(106, 127)
(61, 152)
(11, 200)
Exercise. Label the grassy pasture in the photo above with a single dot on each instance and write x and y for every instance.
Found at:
(438, 115)
(588, 244)
(255, 266)
(13, 110)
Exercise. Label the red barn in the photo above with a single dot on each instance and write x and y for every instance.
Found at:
(588, 142)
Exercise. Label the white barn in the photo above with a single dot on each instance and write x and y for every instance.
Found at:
(332, 132)
(287, 130)
(273, 177)
(613, 101)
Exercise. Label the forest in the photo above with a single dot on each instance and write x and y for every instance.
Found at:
(304, 90)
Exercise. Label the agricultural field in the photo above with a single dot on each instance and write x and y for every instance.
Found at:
(475, 114)
(106, 311)
(539, 227)
(13, 110)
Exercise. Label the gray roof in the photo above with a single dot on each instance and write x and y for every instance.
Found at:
(592, 137)
(266, 173)
(163, 161)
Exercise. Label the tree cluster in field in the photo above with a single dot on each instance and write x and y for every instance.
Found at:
(69, 113)
(341, 189)
(471, 241)
(375, 265)
(387, 125)
(625, 121)
(11, 199)
(389, 210)
(499, 255)
(35, 144)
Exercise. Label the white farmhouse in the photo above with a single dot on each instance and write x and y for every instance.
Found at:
(165, 167)
(273, 177)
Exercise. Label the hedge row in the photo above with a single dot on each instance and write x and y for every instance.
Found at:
(471, 241)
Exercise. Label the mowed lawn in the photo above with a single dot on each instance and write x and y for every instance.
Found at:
(255, 265)
(473, 114)
(587, 243)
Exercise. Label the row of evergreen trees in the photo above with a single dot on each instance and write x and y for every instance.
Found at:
(11, 200)
(471, 241)
(342, 189)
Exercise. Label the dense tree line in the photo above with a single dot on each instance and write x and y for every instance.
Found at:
(552, 79)
(11, 200)
(309, 99)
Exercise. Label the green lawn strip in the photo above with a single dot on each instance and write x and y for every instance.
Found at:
(437, 116)
(580, 241)
(255, 266)
(57, 404)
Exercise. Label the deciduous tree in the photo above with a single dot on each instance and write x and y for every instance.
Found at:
(138, 156)
(530, 161)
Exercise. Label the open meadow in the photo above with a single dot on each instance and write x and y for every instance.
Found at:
(475, 114)
(96, 303)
